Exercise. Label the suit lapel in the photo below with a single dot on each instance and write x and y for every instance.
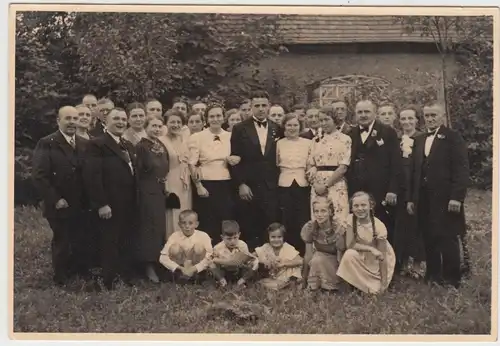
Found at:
(66, 148)
(111, 144)
(252, 133)
(370, 140)
(271, 132)
(435, 144)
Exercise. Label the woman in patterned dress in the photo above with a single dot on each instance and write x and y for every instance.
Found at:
(178, 178)
(328, 161)
(152, 168)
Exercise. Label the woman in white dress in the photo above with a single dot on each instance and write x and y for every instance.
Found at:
(178, 177)
(328, 161)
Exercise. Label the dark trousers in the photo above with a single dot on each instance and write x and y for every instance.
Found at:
(442, 251)
(295, 211)
(68, 257)
(215, 208)
(116, 248)
(256, 215)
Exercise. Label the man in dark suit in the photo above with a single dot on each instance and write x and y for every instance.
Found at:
(440, 177)
(109, 175)
(256, 176)
(341, 108)
(104, 106)
(57, 176)
(375, 163)
(312, 121)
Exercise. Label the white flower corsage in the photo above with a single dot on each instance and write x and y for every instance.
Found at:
(380, 142)
(441, 136)
(407, 145)
(374, 133)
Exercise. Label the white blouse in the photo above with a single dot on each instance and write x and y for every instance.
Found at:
(291, 158)
(210, 151)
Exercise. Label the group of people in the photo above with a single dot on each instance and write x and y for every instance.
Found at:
(301, 196)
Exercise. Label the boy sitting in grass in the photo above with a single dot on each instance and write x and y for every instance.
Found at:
(231, 259)
(187, 252)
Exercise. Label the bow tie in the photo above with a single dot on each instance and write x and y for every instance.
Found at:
(364, 129)
(430, 134)
(216, 138)
(261, 123)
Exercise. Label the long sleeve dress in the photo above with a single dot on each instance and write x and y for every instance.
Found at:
(152, 168)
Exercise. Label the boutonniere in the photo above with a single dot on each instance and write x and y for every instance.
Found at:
(441, 136)
(380, 142)
(157, 148)
(374, 133)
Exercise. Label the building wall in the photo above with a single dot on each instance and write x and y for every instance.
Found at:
(399, 69)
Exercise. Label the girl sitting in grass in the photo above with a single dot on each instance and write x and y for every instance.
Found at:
(324, 245)
(279, 261)
(368, 263)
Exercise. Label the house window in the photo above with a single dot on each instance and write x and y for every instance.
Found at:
(340, 87)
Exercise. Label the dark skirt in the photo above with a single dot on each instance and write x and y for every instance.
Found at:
(152, 230)
(294, 206)
(408, 241)
(215, 208)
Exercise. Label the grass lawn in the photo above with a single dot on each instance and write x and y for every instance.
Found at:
(409, 307)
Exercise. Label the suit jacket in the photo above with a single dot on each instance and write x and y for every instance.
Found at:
(307, 134)
(108, 177)
(447, 178)
(57, 173)
(98, 129)
(255, 169)
(380, 170)
(347, 128)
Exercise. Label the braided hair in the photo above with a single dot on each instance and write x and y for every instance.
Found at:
(372, 214)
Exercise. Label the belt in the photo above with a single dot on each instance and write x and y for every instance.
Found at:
(326, 168)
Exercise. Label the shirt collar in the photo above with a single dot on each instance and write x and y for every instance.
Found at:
(116, 138)
(435, 131)
(265, 120)
(68, 139)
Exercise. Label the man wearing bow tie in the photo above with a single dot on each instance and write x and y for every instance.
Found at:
(440, 177)
(109, 176)
(57, 176)
(256, 176)
(375, 162)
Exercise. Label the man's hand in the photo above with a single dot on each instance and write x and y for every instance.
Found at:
(391, 198)
(410, 208)
(454, 206)
(245, 192)
(105, 212)
(61, 204)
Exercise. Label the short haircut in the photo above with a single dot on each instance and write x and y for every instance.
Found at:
(276, 226)
(337, 100)
(298, 106)
(289, 117)
(89, 95)
(434, 103)
(104, 101)
(80, 105)
(245, 102)
(388, 104)
(260, 94)
(135, 105)
(188, 212)
(174, 113)
(231, 112)
(180, 99)
(230, 228)
(194, 113)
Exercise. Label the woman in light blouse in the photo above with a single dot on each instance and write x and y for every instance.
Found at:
(294, 191)
(209, 159)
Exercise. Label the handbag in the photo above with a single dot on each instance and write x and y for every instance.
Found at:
(172, 201)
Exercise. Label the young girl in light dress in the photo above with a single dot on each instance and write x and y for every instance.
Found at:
(368, 263)
(324, 241)
(279, 261)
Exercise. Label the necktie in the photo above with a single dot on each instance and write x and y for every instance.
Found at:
(123, 147)
(216, 138)
(72, 142)
(261, 123)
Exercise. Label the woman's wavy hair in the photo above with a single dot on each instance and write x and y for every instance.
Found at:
(172, 112)
(330, 111)
(288, 117)
(331, 209)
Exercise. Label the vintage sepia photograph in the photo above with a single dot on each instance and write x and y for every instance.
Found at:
(252, 170)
